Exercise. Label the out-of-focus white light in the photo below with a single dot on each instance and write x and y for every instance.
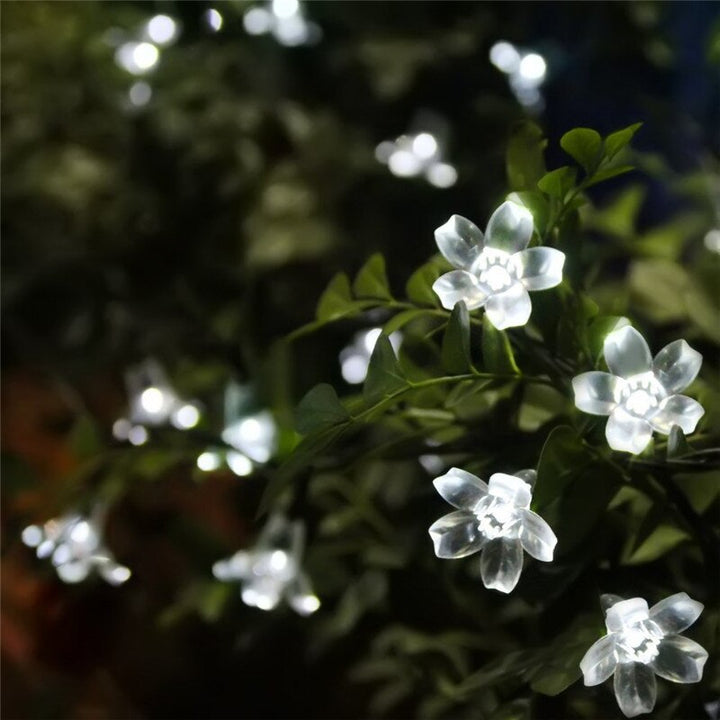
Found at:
(532, 67)
(117, 575)
(140, 93)
(285, 8)
(73, 572)
(292, 31)
(505, 57)
(32, 535)
(424, 145)
(214, 19)
(209, 461)
(403, 163)
(370, 339)
(121, 429)
(240, 464)
(442, 175)
(251, 430)
(221, 570)
(45, 548)
(307, 605)
(162, 29)
(712, 241)
(137, 58)
(278, 560)
(384, 150)
(185, 417)
(62, 554)
(354, 369)
(138, 435)
(257, 21)
(152, 400)
(80, 532)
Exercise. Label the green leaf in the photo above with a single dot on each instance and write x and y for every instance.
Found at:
(538, 206)
(456, 341)
(371, 281)
(660, 542)
(419, 285)
(496, 350)
(402, 319)
(384, 375)
(659, 287)
(336, 300)
(320, 408)
(524, 160)
(561, 459)
(583, 145)
(607, 173)
(677, 444)
(558, 183)
(616, 141)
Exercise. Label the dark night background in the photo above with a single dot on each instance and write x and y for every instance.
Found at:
(201, 228)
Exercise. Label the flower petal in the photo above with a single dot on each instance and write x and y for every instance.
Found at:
(459, 240)
(510, 308)
(459, 285)
(597, 392)
(455, 535)
(680, 659)
(626, 432)
(677, 365)
(511, 489)
(626, 352)
(539, 268)
(676, 613)
(501, 564)
(460, 488)
(299, 595)
(635, 688)
(537, 537)
(73, 572)
(599, 661)
(677, 410)
(529, 476)
(510, 228)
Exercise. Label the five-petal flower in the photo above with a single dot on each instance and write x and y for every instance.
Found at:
(271, 570)
(640, 393)
(494, 518)
(641, 643)
(497, 269)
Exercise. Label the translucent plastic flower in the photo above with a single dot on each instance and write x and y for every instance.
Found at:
(496, 270)
(74, 545)
(494, 518)
(642, 643)
(640, 393)
(271, 572)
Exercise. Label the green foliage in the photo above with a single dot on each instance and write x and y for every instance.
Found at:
(384, 375)
(456, 341)
(496, 350)
(319, 409)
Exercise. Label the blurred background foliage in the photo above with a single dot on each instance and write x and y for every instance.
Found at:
(201, 228)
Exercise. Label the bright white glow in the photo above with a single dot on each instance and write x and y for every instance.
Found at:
(162, 29)
(121, 429)
(532, 67)
(221, 570)
(251, 430)
(505, 57)
(307, 604)
(384, 150)
(214, 19)
(138, 435)
(81, 532)
(240, 464)
(371, 338)
(403, 163)
(285, 8)
(45, 548)
(712, 241)
(137, 58)
(62, 554)
(278, 560)
(140, 93)
(424, 145)
(118, 575)
(292, 31)
(73, 572)
(185, 417)
(354, 369)
(152, 400)
(257, 21)
(442, 175)
(32, 535)
(209, 461)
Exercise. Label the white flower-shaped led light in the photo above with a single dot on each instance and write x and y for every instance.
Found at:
(494, 518)
(642, 643)
(355, 358)
(271, 570)
(75, 547)
(417, 154)
(496, 270)
(640, 393)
